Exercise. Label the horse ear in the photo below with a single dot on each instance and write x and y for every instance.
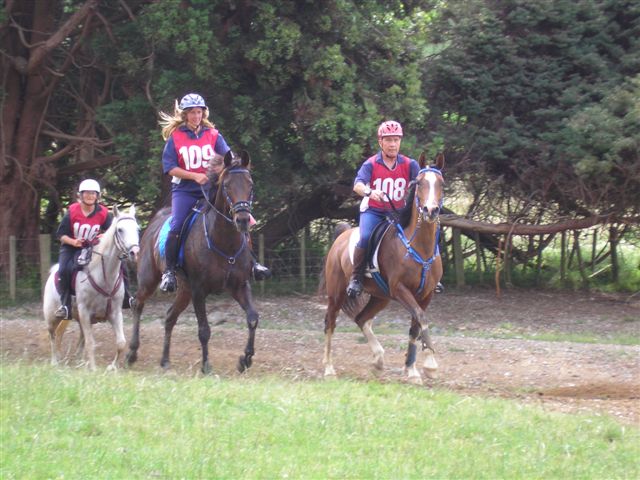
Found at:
(115, 211)
(246, 160)
(440, 161)
(228, 158)
(422, 161)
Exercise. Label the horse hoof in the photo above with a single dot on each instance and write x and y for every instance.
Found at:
(329, 373)
(206, 369)
(378, 364)
(131, 358)
(431, 373)
(243, 364)
(165, 365)
(415, 380)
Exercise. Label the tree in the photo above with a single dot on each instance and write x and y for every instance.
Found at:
(54, 82)
(538, 104)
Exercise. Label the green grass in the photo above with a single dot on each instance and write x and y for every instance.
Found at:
(64, 423)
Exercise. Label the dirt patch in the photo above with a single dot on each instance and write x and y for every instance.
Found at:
(598, 378)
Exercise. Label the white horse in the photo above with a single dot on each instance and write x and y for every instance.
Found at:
(99, 290)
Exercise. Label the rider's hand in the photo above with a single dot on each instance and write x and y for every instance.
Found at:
(77, 242)
(378, 196)
(200, 178)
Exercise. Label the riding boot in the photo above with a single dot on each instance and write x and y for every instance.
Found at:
(357, 277)
(64, 311)
(168, 283)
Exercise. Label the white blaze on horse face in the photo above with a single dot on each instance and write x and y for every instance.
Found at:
(431, 202)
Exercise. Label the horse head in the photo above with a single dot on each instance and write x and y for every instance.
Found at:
(430, 188)
(127, 233)
(236, 189)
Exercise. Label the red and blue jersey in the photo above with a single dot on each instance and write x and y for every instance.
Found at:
(392, 181)
(192, 152)
(76, 224)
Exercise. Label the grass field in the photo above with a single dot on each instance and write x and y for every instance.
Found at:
(69, 423)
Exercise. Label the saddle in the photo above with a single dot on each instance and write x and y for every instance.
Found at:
(371, 255)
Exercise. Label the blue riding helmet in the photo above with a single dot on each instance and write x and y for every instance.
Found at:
(191, 100)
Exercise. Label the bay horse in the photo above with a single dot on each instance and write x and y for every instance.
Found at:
(99, 288)
(409, 268)
(217, 257)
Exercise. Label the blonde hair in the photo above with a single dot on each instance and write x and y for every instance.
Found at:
(169, 123)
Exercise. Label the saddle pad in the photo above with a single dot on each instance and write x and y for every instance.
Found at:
(164, 233)
(372, 266)
(56, 278)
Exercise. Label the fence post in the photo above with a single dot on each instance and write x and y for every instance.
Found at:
(476, 237)
(303, 258)
(261, 257)
(458, 258)
(45, 258)
(12, 266)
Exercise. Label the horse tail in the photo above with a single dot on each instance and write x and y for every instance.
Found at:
(322, 283)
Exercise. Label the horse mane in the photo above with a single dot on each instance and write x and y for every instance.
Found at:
(107, 238)
(404, 214)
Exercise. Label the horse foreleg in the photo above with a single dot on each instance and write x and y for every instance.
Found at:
(174, 311)
(204, 331)
(84, 319)
(430, 365)
(118, 331)
(406, 299)
(364, 319)
(244, 297)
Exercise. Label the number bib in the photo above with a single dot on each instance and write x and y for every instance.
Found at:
(194, 155)
(86, 228)
(392, 182)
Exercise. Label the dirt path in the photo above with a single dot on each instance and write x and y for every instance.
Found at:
(567, 376)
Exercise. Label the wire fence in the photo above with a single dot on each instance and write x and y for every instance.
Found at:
(297, 263)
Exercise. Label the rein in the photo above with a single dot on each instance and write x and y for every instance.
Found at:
(234, 208)
(123, 254)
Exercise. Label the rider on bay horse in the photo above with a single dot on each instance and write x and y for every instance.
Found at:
(192, 143)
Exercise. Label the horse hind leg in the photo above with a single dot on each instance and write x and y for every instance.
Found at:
(55, 339)
(179, 304)
(330, 317)
(365, 321)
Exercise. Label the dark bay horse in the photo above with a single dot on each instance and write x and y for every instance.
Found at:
(217, 257)
(409, 266)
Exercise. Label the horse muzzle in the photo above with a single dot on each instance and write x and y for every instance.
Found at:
(431, 214)
(134, 253)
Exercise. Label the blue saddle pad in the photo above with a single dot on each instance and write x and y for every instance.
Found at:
(164, 233)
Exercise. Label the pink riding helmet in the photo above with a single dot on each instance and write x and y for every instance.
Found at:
(389, 128)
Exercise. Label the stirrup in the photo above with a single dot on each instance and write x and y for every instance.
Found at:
(439, 288)
(168, 283)
(354, 288)
(85, 257)
(260, 272)
(62, 312)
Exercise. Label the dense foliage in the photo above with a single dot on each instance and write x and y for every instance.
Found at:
(535, 103)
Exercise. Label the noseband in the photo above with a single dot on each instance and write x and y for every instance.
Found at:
(242, 205)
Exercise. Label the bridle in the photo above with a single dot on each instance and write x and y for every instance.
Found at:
(120, 245)
(234, 208)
